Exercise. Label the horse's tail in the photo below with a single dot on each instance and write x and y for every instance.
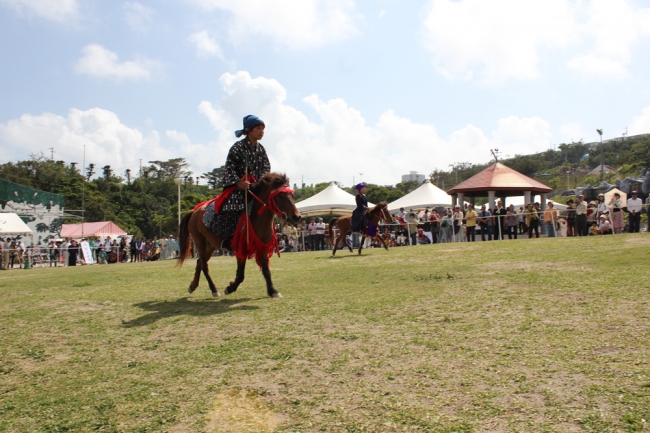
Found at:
(331, 228)
(184, 239)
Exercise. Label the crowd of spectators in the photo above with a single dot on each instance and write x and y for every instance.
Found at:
(67, 252)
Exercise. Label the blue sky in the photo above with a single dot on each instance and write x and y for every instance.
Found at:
(345, 87)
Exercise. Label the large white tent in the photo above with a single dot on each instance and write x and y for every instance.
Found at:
(427, 195)
(332, 200)
(11, 224)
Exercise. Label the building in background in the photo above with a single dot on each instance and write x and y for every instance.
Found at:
(41, 211)
(413, 176)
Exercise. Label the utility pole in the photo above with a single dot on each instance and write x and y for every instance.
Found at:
(51, 154)
(602, 168)
(140, 167)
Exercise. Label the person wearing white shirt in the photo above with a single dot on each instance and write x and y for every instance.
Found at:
(601, 208)
(320, 235)
(634, 207)
(581, 216)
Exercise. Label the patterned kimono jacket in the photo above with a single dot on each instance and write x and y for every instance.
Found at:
(241, 153)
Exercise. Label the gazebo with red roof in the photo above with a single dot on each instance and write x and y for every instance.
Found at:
(500, 181)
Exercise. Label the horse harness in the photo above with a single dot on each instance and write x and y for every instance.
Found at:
(270, 203)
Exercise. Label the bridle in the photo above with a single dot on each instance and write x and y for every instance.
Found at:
(384, 214)
(270, 203)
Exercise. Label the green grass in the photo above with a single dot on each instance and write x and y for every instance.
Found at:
(548, 335)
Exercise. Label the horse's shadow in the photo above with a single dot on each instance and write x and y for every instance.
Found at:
(184, 307)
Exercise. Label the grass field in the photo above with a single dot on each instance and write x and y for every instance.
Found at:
(547, 335)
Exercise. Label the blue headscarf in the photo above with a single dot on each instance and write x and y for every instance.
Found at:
(250, 122)
(361, 185)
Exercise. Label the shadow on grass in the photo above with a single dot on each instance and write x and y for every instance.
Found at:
(185, 307)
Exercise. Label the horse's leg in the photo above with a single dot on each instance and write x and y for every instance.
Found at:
(195, 280)
(239, 277)
(270, 290)
(383, 242)
(206, 253)
(363, 239)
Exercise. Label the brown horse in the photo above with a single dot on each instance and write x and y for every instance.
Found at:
(271, 197)
(378, 213)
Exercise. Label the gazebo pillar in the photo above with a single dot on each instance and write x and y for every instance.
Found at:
(454, 199)
(527, 198)
(491, 197)
(473, 201)
(461, 199)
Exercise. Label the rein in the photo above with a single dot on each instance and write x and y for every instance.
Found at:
(270, 203)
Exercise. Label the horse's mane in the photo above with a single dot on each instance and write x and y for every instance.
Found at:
(269, 182)
(376, 208)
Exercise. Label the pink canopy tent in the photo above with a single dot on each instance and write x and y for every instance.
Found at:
(105, 228)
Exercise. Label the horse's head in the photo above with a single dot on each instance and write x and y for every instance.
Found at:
(380, 212)
(273, 189)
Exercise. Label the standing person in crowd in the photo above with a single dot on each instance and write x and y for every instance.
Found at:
(435, 226)
(139, 247)
(570, 218)
(500, 221)
(247, 157)
(359, 213)
(550, 219)
(457, 219)
(485, 222)
(6, 253)
(647, 209)
(445, 227)
(73, 251)
(581, 216)
(133, 249)
(53, 253)
(64, 247)
(522, 221)
(616, 205)
(470, 223)
(634, 208)
(413, 228)
(532, 221)
(591, 213)
(512, 221)
(108, 245)
(601, 206)
(320, 235)
(312, 234)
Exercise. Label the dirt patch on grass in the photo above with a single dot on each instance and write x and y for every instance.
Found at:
(238, 412)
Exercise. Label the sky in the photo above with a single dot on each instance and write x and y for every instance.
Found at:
(349, 90)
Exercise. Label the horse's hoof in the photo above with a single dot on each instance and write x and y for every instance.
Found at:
(190, 290)
(215, 294)
(276, 295)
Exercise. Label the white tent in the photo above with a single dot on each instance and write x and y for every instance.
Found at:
(11, 224)
(427, 195)
(331, 200)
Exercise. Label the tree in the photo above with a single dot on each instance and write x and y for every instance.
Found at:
(215, 177)
(165, 170)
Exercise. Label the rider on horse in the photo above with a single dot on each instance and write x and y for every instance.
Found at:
(359, 213)
(247, 162)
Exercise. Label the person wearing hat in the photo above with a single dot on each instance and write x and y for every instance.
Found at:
(246, 163)
(581, 216)
(616, 204)
(320, 235)
(532, 220)
(634, 208)
(601, 206)
(604, 226)
(359, 213)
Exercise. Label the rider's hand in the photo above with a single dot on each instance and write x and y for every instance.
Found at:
(244, 184)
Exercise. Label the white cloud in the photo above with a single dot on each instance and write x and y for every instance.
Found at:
(500, 38)
(62, 11)
(641, 124)
(99, 62)
(107, 140)
(205, 45)
(594, 65)
(508, 39)
(296, 24)
(340, 143)
(137, 15)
